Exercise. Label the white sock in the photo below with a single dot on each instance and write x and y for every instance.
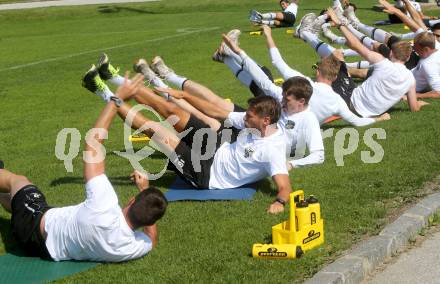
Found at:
(106, 94)
(157, 82)
(269, 16)
(176, 80)
(322, 48)
(340, 40)
(236, 68)
(270, 23)
(368, 42)
(433, 22)
(349, 52)
(358, 65)
(374, 33)
(337, 4)
(408, 36)
(117, 80)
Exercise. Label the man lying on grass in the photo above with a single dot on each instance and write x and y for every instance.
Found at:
(96, 229)
(205, 157)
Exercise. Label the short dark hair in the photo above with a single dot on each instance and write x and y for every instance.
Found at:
(299, 87)
(284, 1)
(436, 27)
(266, 106)
(148, 207)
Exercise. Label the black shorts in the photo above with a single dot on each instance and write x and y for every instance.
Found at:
(413, 60)
(28, 207)
(188, 163)
(288, 19)
(344, 84)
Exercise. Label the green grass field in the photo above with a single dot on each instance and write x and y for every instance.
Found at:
(44, 54)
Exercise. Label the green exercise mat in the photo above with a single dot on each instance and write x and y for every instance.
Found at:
(15, 268)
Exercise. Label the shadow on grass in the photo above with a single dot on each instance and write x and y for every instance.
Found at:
(117, 9)
(120, 180)
(11, 246)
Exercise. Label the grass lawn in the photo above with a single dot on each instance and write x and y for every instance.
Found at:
(46, 51)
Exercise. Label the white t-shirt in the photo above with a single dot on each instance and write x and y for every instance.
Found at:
(383, 89)
(95, 229)
(325, 103)
(249, 159)
(292, 8)
(427, 73)
(303, 132)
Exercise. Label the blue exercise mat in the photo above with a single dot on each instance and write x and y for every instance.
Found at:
(180, 190)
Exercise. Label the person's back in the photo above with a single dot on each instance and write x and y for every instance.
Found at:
(94, 229)
(383, 89)
(427, 73)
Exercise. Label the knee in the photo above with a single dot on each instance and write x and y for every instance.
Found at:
(19, 181)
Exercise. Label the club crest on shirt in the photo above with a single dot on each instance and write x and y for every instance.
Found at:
(290, 124)
(248, 152)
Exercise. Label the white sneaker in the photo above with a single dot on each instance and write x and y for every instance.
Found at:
(223, 48)
(255, 17)
(141, 66)
(306, 24)
(159, 67)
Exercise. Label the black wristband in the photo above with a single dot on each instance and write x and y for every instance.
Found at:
(279, 200)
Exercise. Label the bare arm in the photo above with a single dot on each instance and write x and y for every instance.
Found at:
(202, 105)
(152, 233)
(284, 190)
(413, 104)
(429, 95)
(353, 42)
(414, 14)
(94, 153)
(268, 34)
(390, 9)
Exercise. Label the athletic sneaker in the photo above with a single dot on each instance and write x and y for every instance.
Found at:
(224, 49)
(2, 165)
(317, 24)
(349, 14)
(159, 67)
(92, 82)
(141, 66)
(306, 24)
(105, 69)
(255, 17)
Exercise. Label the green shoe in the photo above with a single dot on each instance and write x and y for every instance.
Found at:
(105, 69)
(92, 81)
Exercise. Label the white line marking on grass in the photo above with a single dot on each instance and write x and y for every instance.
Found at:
(44, 4)
(184, 32)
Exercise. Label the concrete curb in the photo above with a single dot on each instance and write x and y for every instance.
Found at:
(358, 263)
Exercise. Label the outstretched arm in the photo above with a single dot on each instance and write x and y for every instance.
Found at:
(277, 60)
(390, 9)
(353, 42)
(414, 14)
(94, 152)
(259, 77)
